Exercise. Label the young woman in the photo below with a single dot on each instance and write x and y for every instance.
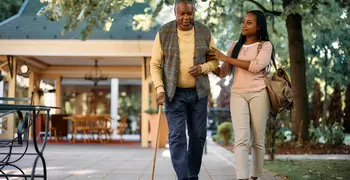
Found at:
(250, 105)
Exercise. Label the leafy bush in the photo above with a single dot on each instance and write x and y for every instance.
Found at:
(215, 137)
(335, 134)
(315, 133)
(225, 132)
(283, 135)
(329, 134)
(218, 139)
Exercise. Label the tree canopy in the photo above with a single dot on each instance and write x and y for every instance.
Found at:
(9, 8)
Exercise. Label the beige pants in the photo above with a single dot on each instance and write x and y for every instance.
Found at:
(249, 114)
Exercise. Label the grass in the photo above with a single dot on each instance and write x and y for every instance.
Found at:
(310, 169)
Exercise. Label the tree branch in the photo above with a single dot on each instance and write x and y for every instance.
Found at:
(273, 19)
(274, 30)
(273, 12)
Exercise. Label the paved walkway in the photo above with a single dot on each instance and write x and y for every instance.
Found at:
(116, 162)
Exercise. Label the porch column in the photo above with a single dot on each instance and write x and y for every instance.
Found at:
(114, 102)
(1, 95)
(154, 97)
(58, 87)
(33, 86)
(145, 103)
(2, 88)
(11, 93)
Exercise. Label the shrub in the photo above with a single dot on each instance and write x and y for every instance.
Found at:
(317, 104)
(335, 134)
(315, 133)
(329, 134)
(225, 131)
(217, 139)
(335, 106)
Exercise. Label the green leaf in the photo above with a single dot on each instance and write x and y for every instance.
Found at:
(158, 9)
(169, 2)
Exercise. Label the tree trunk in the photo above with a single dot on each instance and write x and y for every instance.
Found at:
(297, 63)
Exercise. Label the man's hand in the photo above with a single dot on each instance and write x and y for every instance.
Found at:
(161, 98)
(195, 71)
(210, 56)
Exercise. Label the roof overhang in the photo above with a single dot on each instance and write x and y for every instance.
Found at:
(94, 48)
(75, 58)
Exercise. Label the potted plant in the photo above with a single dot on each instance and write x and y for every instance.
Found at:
(163, 128)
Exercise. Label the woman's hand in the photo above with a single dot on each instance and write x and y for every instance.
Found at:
(219, 55)
(210, 56)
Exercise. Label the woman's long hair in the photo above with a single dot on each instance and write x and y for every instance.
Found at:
(262, 33)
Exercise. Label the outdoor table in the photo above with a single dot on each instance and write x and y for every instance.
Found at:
(6, 109)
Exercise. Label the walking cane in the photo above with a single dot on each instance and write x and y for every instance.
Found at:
(156, 147)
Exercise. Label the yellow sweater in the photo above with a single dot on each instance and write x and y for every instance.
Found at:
(186, 46)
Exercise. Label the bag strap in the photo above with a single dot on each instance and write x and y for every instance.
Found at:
(274, 63)
(259, 48)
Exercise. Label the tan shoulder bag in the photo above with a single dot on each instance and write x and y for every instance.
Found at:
(279, 89)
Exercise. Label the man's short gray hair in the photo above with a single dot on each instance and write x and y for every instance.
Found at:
(184, 1)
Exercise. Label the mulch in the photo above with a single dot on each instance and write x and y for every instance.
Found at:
(306, 148)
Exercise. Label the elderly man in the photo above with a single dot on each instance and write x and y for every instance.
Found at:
(179, 68)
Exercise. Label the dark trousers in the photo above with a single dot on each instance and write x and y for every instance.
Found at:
(187, 108)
